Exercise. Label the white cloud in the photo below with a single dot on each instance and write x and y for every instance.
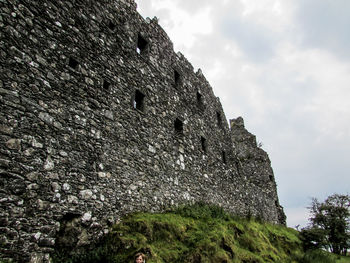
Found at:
(180, 23)
(297, 217)
(272, 14)
(325, 24)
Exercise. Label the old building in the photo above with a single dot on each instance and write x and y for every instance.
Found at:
(100, 118)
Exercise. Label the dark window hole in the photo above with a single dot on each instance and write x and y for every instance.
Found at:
(199, 98)
(218, 118)
(70, 216)
(176, 78)
(73, 63)
(138, 102)
(106, 84)
(204, 144)
(141, 45)
(223, 157)
(178, 126)
(111, 25)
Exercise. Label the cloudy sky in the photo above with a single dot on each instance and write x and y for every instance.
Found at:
(284, 66)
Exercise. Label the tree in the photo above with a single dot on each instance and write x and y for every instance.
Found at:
(329, 224)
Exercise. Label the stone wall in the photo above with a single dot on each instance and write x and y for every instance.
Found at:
(100, 118)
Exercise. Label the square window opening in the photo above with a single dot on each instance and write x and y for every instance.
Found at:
(73, 63)
(178, 126)
(139, 101)
(141, 45)
(111, 25)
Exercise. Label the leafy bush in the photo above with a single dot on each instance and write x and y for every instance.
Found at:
(317, 256)
(202, 211)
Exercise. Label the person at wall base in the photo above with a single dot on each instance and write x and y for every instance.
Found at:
(140, 258)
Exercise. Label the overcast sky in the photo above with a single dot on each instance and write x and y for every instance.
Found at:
(284, 66)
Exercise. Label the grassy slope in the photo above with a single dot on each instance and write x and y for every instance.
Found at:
(343, 260)
(203, 234)
(173, 238)
(196, 234)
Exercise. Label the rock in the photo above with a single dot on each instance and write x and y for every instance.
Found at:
(151, 149)
(66, 187)
(14, 144)
(37, 236)
(86, 194)
(36, 144)
(104, 174)
(55, 187)
(73, 199)
(86, 217)
(6, 130)
(49, 164)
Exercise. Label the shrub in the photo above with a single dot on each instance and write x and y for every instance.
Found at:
(317, 256)
(201, 211)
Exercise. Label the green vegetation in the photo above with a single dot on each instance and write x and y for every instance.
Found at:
(321, 256)
(198, 233)
(343, 259)
(330, 225)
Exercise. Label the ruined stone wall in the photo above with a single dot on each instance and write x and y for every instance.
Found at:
(100, 118)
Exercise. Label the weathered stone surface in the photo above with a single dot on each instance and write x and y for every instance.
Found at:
(14, 144)
(99, 118)
(86, 194)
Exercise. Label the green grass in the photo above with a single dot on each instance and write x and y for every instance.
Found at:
(342, 259)
(198, 233)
